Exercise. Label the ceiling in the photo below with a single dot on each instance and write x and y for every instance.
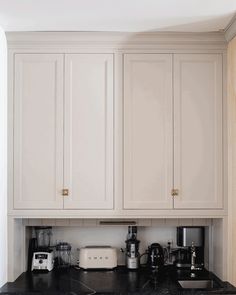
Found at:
(116, 15)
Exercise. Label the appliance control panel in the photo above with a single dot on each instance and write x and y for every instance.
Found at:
(42, 261)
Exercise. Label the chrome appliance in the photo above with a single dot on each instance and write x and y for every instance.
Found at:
(132, 248)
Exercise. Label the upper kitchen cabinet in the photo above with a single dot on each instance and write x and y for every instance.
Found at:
(177, 148)
(198, 131)
(116, 125)
(38, 131)
(88, 158)
(148, 134)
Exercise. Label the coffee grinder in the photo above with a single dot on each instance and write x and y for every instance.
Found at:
(132, 248)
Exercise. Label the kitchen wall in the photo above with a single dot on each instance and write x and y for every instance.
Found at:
(232, 160)
(3, 159)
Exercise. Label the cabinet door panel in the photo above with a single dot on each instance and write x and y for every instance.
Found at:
(89, 131)
(198, 130)
(148, 152)
(38, 131)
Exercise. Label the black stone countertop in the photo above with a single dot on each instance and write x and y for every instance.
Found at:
(115, 282)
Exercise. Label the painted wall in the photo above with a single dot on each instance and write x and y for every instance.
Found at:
(232, 161)
(3, 159)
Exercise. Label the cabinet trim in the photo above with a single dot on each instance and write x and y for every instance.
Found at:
(116, 40)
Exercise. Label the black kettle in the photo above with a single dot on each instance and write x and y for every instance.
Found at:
(155, 257)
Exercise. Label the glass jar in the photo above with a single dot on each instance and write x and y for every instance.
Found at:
(63, 255)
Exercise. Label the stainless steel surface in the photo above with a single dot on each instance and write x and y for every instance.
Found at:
(189, 235)
(117, 222)
(195, 284)
(193, 258)
(182, 264)
(132, 262)
(132, 248)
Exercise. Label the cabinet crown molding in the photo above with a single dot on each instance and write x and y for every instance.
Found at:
(230, 30)
(116, 40)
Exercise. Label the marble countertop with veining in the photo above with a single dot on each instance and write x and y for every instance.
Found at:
(112, 282)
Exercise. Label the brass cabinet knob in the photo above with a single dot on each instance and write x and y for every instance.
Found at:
(174, 192)
(65, 192)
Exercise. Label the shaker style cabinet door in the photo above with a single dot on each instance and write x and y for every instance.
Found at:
(148, 144)
(38, 131)
(89, 131)
(198, 131)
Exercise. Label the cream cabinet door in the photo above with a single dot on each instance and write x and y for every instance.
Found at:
(198, 131)
(38, 131)
(89, 131)
(148, 144)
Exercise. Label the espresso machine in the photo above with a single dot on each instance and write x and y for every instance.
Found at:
(132, 248)
(190, 254)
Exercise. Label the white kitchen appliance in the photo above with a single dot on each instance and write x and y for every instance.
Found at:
(42, 261)
(95, 257)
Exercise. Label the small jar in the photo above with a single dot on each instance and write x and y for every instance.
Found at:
(63, 255)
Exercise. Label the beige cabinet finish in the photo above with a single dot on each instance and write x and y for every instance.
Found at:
(148, 147)
(89, 131)
(38, 131)
(198, 131)
(187, 157)
(64, 132)
(63, 137)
